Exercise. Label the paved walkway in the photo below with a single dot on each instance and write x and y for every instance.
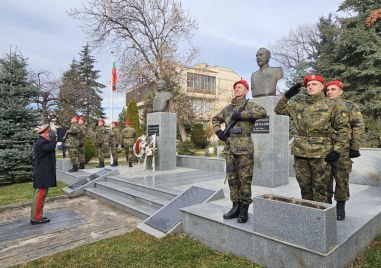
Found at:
(74, 222)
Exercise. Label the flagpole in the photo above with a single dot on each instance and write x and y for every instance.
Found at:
(112, 100)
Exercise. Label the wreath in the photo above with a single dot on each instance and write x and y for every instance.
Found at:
(145, 147)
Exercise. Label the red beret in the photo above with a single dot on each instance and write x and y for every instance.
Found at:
(336, 83)
(75, 118)
(243, 82)
(43, 129)
(312, 77)
(81, 118)
(127, 123)
(101, 120)
(114, 122)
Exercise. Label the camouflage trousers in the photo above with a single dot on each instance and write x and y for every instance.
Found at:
(340, 172)
(114, 152)
(239, 172)
(100, 154)
(73, 155)
(129, 151)
(81, 154)
(314, 178)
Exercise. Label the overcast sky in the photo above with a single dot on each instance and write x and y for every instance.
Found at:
(229, 35)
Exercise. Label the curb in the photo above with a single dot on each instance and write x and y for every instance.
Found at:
(26, 204)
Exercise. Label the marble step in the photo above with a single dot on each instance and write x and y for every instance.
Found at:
(124, 191)
(133, 207)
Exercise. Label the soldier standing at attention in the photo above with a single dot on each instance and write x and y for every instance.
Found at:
(128, 140)
(114, 143)
(99, 139)
(239, 148)
(44, 175)
(82, 137)
(343, 167)
(72, 143)
(322, 130)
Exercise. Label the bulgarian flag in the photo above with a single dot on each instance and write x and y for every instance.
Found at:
(114, 77)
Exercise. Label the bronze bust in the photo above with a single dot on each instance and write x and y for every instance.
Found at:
(263, 81)
(161, 100)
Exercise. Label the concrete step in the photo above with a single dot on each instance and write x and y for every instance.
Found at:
(131, 206)
(139, 185)
(125, 191)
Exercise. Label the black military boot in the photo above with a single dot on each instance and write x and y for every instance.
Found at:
(234, 212)
(81, 165)
(114, 164)
(243, 215)
(101, 165)
(130, 164)
(74, 169)
(340, 210)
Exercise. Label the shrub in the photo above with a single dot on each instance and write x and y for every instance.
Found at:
(90, 150)
(198, 136)
(186, 148)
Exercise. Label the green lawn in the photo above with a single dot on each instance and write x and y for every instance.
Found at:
(23, 192)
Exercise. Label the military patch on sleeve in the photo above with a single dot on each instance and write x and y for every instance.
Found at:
(344, 114)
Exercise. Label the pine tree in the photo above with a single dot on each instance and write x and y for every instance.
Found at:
(198, 136)
(91, 89)
(17, 120)
(132, 115)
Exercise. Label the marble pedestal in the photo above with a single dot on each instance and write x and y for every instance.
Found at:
(271, 149)
(164, 125)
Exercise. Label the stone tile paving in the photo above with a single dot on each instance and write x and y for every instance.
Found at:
(74, 222)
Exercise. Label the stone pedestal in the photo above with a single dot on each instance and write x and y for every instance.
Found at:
(271, 149)
(164, 125)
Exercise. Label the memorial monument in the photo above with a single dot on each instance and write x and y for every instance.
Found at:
(270, 135)
(163, 123)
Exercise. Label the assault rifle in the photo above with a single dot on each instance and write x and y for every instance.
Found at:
(233, 122)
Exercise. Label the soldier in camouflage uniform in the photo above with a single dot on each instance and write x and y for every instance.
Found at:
(128, 139)
(72, 142)
(239, 149)
(343, 167)
(322, 130)
(82, 137)
(99, 140)
(114, 143)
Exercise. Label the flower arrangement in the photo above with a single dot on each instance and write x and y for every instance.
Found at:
(145, 147)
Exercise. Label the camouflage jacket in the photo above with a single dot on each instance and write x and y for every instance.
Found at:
(82, 133)
(99, 136)
(239, 143)
(114, 137)
(356, 123)
(128, 136)
(72, 136)
(321, 124)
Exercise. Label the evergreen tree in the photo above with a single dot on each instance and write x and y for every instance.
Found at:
(17, 120)
(91, 89)
(351, 52)
(132, 115)
(198, 136)
(69, 95)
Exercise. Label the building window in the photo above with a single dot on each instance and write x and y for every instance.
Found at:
(201, 83)
(201, 106)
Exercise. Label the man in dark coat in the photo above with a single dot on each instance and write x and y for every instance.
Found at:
(44, 172)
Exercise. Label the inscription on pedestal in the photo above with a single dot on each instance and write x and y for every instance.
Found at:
(153, 129)
(262, 126)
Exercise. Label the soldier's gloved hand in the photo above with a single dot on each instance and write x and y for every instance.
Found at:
(52, 135)
(295, 89)
(122, 146)
(236, 116)
(332, 156)
(354, 153)
(81, 144)
(220, 134)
